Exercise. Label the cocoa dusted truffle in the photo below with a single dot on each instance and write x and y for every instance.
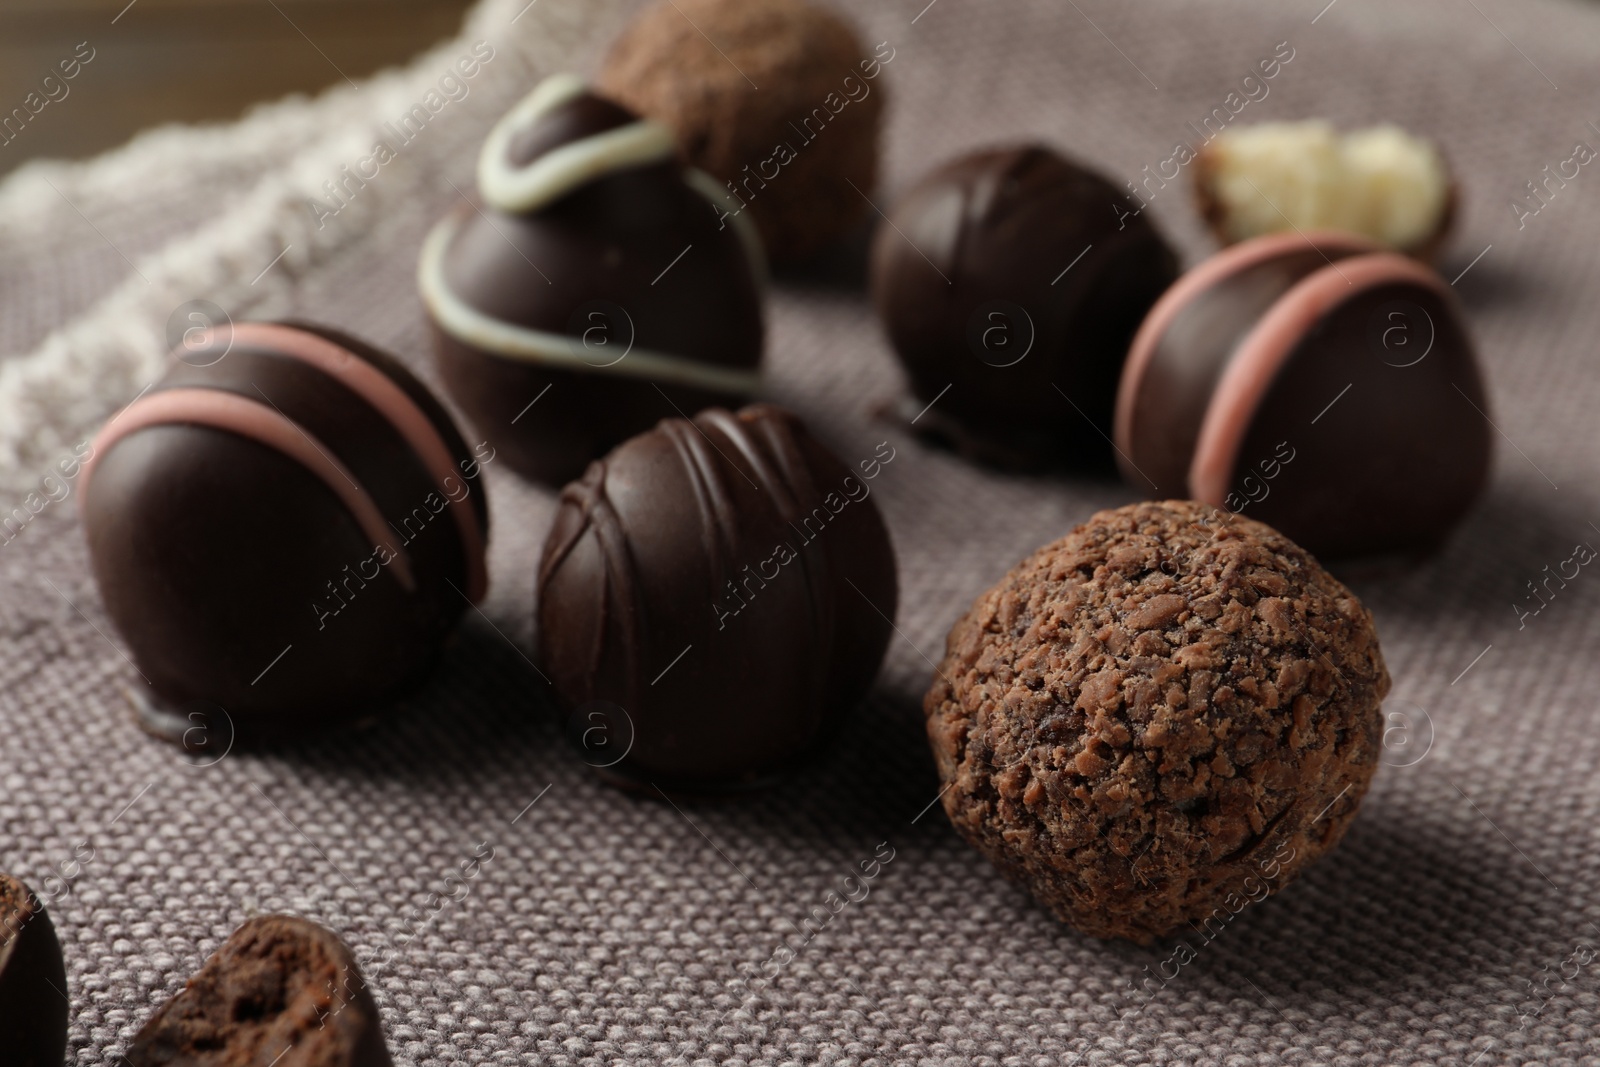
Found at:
(1010, 282)
(284, 529)
(33, 981)
(1327, 388)
(278, 985)
(779, 99)
(1380, 182)
(599, 270)
(714, 597)
(1158, 719)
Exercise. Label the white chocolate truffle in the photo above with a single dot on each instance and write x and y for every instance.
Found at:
(1379, 182)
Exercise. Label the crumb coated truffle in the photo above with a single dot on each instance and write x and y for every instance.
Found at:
(790, 149)
(1158, 719)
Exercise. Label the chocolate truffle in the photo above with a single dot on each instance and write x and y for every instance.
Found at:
(284, 529)
(599, 270)
(801, 151)
(279, 987)
(1010, 282)
(1159, 718)
(721, 591)
(1328, 388)
(33, 981)
(1379, 182)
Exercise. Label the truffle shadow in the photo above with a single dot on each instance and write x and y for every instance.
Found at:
(1489, 282)
(483, 708)
(1504, 542)
(840, 267)
(873, 776)
(1401, 904)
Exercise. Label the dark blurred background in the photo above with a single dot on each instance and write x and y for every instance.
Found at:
(161, 61)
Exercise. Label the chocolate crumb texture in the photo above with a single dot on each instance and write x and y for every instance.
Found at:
(1158, 719)
(281, 991)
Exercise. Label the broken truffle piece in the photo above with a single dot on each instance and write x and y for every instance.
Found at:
(1380, 182)
(281, 990)
(801, 154)
(1010, 282)
(715, 596)
(1159, 718)
(1326, 387)
(33, 981)
(599, 269)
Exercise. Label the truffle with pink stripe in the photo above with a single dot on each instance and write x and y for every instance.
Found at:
(284, 528)
(1314, 382)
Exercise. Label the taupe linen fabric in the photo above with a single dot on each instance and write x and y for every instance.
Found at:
(1456, 924)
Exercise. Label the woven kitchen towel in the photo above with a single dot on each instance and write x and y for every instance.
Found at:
(1456, 924)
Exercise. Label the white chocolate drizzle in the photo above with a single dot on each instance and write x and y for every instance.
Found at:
(553, 174)
(472, 327)
(732, 211)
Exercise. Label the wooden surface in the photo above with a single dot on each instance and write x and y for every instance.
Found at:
(189, 60)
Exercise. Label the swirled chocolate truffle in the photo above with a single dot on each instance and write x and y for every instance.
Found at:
(280, 989)
(1317, 383)
(1158, 719)
(715, 596)
(284, 529)
(33, 981)
(599, 288)
(778, 99)
(1010, 283)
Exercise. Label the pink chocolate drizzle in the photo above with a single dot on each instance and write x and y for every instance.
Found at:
(248, 418)
(379, 390)
(226, 411)
(1269, 344)
(1206, 275)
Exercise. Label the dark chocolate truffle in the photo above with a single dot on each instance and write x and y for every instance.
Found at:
(722, 590)
(801, 151)
(1327, 388)
(33, 981)
(598, 269)
(284, 529)
(1010, 282)
(281, 991)
(1158, 719)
